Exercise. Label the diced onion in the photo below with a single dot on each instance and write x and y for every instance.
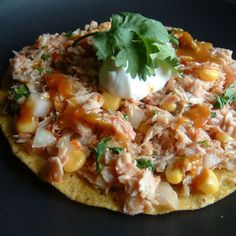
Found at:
(83, 98)
(64, 142)
(211, 160)
(166, 196)
(43, 138)
(41, 105)
(135, 115)
(63, 145)
(44, 123)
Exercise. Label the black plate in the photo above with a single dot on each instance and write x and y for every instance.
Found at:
(30, 207)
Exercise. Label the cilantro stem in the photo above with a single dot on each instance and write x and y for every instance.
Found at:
(75, 43)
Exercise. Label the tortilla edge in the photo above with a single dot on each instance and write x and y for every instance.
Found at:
(79, 190)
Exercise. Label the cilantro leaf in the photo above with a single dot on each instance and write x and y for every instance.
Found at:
(226, 98)
(99, 152)
(11, 108)
(213, 114)
(19, 91)
(165, 57)
(154, 112)
(68, 34)
(204, 143)
(143, 163)
(45, 57)
(126, 116)
(43, 70)
(137, 43)
(174, 40)
(116, 150)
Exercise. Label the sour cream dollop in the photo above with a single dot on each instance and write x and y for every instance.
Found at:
(120, 83)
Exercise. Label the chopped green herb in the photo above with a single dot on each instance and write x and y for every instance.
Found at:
(54, 116)
(11, 108)
(143, 163)
(126, 116)
(69, 34)
(116, 150)
(137, 42)
(154, 112)
(205, 143)
(154, 153)
(213, 114)
(19, 91)
(226, 98)
(99, 152)
(45, 57)
(43, 70)
(174, 40)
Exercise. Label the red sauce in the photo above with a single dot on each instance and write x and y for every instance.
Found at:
(26, 122)
(195, 161)
(57, 82)
(198, 51)
(26, 113)
(57, 57)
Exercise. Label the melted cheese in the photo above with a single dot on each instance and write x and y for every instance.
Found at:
(120, 83)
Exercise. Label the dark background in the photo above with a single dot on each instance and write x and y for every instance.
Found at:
(30, 207)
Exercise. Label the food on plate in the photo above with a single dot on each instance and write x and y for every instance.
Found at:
(129, 115)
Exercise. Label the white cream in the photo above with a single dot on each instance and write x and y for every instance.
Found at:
(120, 83)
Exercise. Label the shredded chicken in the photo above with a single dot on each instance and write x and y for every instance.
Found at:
(131, 146)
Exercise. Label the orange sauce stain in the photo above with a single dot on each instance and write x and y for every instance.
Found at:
(199, 114)
(199, 179)
(195, 161)
(195, 50)
(58, 82)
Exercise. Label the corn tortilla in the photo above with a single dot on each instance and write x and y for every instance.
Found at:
(80, 190)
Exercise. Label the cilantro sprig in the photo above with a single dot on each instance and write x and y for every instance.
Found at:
(19, 91)
(16, 93)
(204, 143)
(11, 108)
(126, 116)
(100, 151)
(174, 40)
(213, 114)
(226, 98)
(143, 163)
(45, 57)
(116, 150)
(138, 43)
(69, 34)
(42, 70)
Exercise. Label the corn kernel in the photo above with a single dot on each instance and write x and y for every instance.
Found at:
(111, 102)
(208, 75)
(168, 106)
(174, 176)
(222, 137)
(76, 159)
(209, 183)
